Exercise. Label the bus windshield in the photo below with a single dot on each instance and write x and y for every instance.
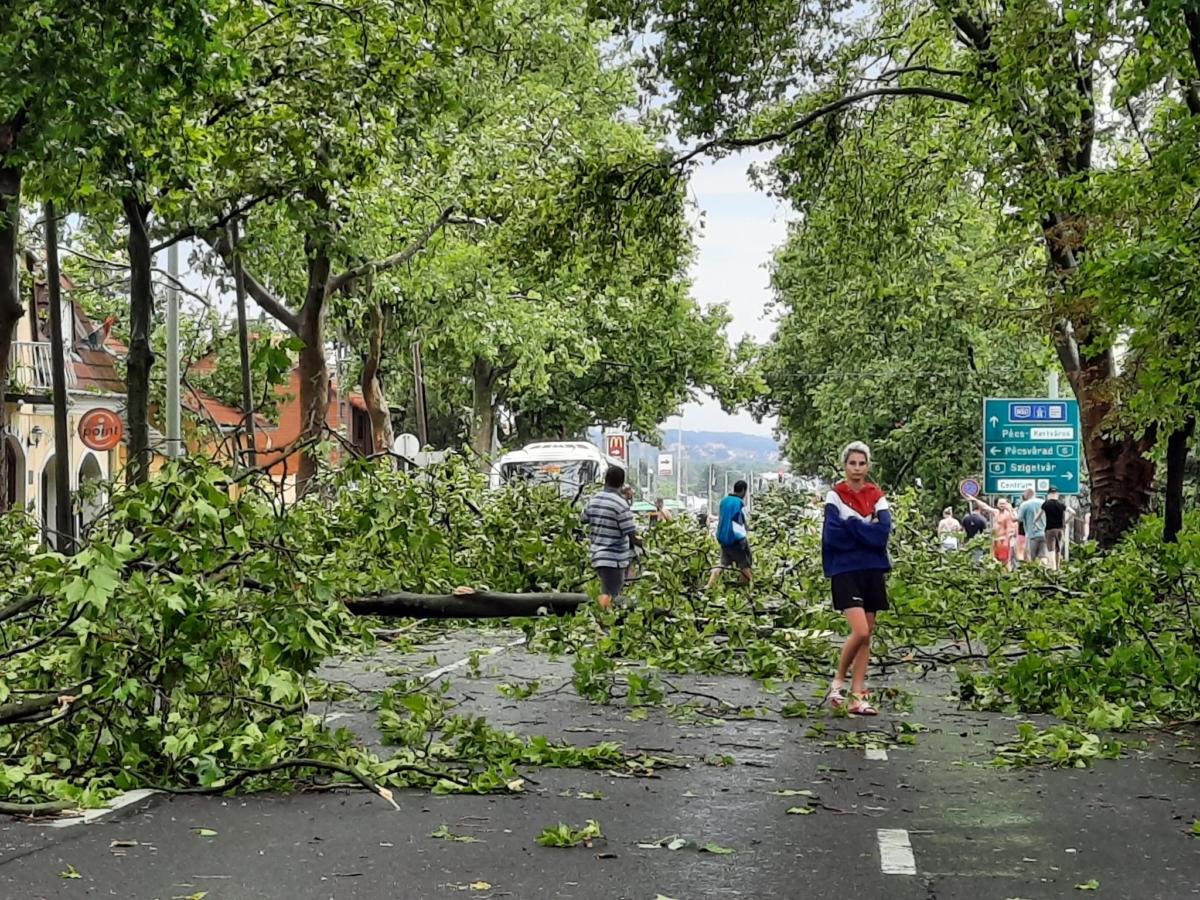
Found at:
(568, 475)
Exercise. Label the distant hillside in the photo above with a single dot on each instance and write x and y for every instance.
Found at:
(710, 447)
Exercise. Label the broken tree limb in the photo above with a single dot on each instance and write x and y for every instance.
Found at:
(472, 605)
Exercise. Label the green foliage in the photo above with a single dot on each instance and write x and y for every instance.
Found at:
(1063, 746)
(176, 648)
(462, 752)
(895, 333)
(444, 833)
(165, 641)
(1110, 642)
(562, 835)
(271, 362)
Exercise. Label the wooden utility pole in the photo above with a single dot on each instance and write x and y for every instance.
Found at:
(419, 395)
(64, 522)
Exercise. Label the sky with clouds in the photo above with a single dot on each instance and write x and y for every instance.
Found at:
(741, 228)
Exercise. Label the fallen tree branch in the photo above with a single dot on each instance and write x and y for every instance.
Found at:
(17, 607)
(295, 763)
(27, 710)
(472, 605)
(36, 809)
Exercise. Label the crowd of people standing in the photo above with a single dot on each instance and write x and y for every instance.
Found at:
(856, 529)
(1033, 531)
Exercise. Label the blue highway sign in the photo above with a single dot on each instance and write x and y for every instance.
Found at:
(1030, 444)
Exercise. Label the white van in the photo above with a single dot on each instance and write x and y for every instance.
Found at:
(571, 465)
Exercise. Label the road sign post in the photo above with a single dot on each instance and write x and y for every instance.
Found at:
(1031, 443)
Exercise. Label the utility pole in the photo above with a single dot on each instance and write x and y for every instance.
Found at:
(679, 461)
(419, 395)
(64, 540)
(239, 285)
(174, 427)
(1052, 383)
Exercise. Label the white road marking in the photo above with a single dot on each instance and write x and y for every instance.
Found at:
(895, 852)
(91, 815)
(458, 664)
(877, 753)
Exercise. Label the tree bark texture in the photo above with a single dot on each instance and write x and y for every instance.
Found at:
(483, 411)
(477, 605)
(1120, 471)
(382, 435)
(141, 354)
(314, 390)
(11, 308)
(1177, 456)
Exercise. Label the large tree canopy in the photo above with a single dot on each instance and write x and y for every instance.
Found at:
(1071, 121)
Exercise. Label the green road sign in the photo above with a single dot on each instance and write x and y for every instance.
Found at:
(1030, 444)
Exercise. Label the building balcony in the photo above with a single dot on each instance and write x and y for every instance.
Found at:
(32, 368)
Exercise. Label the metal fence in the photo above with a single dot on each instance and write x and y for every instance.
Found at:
(33, 366)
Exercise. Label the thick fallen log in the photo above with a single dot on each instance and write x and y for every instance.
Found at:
(467, 605)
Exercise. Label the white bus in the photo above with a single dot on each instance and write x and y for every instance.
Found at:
(571, 465)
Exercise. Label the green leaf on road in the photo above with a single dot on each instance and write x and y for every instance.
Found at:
(446, 834)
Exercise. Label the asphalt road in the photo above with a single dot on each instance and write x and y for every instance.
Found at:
(929, 820)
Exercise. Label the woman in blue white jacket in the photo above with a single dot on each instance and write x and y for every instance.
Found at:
(854, 555)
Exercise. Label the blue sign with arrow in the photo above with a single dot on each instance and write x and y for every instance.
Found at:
(1030, 444)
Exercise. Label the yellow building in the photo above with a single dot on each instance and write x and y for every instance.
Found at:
(92, 383)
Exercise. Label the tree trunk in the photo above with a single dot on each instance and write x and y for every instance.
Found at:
(483, 412)
(474, 605)
(1177, 455)
(141, 354)
(314, 393)
(1121, 474)
(11, 308)
(372, 385)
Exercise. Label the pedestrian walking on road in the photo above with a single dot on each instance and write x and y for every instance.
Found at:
(1053, 517)
(733, 536)
(611, 534)
(949, 529)
(1028, 513)
(854, 555)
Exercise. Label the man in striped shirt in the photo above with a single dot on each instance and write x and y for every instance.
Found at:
(610, 526)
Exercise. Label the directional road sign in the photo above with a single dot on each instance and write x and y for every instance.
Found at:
(1030, 444)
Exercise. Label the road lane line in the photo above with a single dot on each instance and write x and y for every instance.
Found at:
(458, 664)
(877, 753)
(91, 815)
(895, 852)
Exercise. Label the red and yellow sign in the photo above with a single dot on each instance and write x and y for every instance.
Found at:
(101, 429)
(616, 447)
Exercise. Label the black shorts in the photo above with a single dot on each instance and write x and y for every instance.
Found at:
(737, 554)
(862, 590)
(612, 580)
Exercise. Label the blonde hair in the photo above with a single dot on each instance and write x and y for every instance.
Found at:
(856, 447)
